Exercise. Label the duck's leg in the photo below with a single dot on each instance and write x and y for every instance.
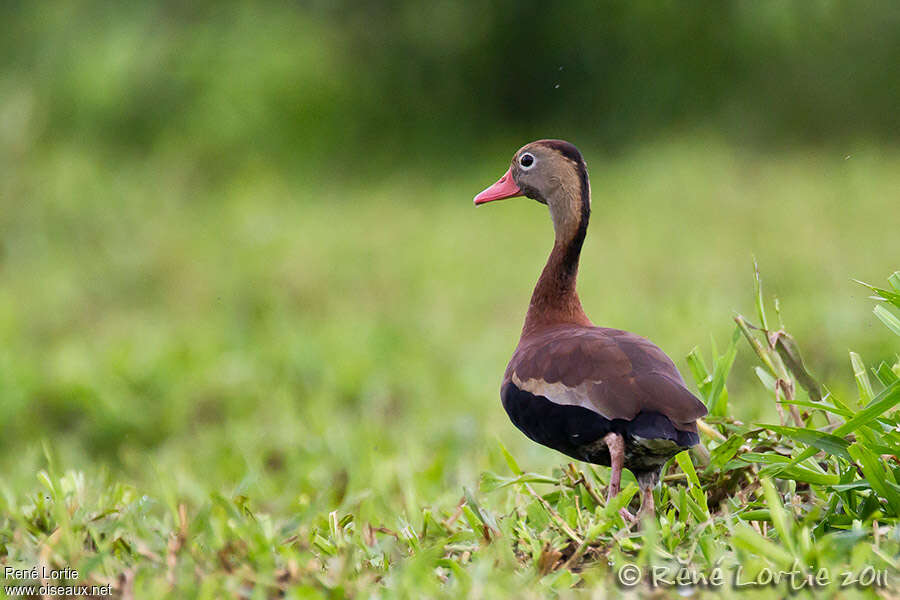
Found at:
(647, 506)
(616, 444)
(647, 481)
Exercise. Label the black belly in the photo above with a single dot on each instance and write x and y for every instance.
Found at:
(650, 438)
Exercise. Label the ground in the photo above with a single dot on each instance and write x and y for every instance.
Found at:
(263, 380)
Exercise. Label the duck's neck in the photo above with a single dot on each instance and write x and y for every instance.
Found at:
(555, 300)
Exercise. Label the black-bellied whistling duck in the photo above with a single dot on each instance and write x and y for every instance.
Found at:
(604, 396)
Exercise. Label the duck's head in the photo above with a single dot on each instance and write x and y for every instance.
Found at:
(551, 172)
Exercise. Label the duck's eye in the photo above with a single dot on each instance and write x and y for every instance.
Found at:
(526, 160)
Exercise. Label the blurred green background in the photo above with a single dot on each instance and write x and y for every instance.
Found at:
(238, 250)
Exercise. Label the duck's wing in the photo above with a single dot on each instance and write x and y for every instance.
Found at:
(614, 373)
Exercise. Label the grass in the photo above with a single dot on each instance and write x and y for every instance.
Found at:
(264, 383)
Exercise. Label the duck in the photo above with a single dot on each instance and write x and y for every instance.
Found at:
(599, 395)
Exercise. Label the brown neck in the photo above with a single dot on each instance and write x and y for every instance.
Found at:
(555, 300)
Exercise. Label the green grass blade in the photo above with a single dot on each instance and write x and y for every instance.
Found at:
(761, 352)
(749, 540)
(510, 460)
(804, 475)
(758, 457)
(725, 451)
(778, 514)
(875, 475)
(698, 496)
(888, 318)
(766, 378)
(883, 294)
(718, 399)
(491, 482)
(783, 468)
(755, 515)
(861, 484)
(699, 371)
(894, 280)
(684, 461)
(885, 374)
(823, 406)
(828, 443)
(886, 400)
(622, 499)
(760, 304)
(861, 374)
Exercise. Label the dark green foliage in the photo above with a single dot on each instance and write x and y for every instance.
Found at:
(380, 82)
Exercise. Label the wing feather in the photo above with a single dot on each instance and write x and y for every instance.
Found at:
(615, 373)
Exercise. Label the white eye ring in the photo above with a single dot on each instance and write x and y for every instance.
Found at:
(527, 161)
